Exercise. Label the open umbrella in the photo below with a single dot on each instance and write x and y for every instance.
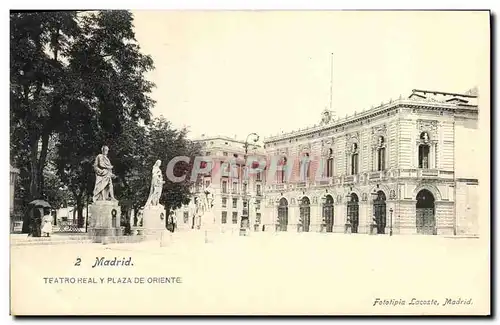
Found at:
(40, 203)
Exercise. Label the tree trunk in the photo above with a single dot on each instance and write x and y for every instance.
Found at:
(34, 172)
(79, 208)
(42, 160)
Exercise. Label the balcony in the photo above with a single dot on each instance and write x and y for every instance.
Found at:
(428, 173)
(376, 175)
(325, 182)
(350, 179)
(301, 185)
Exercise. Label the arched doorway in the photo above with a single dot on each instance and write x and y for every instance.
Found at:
(305, 213)
(353, 212)
(426, 220)
(283, 214)
(379, 211)
(328, 213)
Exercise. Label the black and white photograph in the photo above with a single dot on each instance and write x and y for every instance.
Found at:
(176, 162)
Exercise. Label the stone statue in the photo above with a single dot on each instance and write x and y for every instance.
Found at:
(326, 117)
(380, 141)
(103, 190)
(156, 185)
(425, 137)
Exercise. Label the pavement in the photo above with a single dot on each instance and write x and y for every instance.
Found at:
(269, 273)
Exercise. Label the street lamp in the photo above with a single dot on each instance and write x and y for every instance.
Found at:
(390, 231)
(323, 213)
(246, 145)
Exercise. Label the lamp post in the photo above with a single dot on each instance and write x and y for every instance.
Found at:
(247, 144)
(323, 207)
(348, 224)
(245, 196)
(391, 211)
(375, 221)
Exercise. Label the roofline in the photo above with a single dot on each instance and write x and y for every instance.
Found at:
(366, 114)
(444, 93)
(217, 137)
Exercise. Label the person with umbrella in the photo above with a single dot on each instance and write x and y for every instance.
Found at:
(37, 207)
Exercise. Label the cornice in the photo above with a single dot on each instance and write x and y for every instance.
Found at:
(373, 113)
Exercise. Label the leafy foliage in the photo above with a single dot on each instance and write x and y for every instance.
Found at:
(78, 83)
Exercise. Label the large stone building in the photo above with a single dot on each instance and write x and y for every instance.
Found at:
(409, 165)
(234, 195)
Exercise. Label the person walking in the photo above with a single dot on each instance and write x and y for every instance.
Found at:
(47, 224)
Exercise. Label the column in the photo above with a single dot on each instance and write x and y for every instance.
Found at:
(315, 218)
(364, 219)
(293, 216)
(404, 217)
(339, 217)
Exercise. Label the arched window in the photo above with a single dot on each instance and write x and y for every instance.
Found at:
(381, 154)
(305, 214)
(354, 159)
(329, 163)
(423, 151)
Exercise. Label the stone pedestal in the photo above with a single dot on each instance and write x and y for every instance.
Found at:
(105, 220)
(153, 221)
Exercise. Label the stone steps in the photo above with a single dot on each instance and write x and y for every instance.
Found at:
(23, 240)
(52, 242)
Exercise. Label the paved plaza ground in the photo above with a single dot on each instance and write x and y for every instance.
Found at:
(262, 273)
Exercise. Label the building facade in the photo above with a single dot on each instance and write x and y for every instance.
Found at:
(407, 167)
(234, 194)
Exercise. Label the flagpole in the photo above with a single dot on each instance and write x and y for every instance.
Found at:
(331, 80)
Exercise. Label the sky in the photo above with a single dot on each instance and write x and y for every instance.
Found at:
(233, 73)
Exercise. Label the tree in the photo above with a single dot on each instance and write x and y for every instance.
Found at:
(160, 141)
(70, 70)
(37, 82)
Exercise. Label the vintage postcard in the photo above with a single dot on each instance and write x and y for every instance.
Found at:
(249, 162)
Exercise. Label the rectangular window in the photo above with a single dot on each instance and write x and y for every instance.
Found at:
(258, 189)
(381, 159)
(186, 217)
(235, 203)
(304, 168)
(208, 153)
(235, 187)
(354, 164)
(235, 217)
(224, 153)
(329, 167)
(207, 184)
(244, 187)
(423, 156)
(257, 204)
(224, 202)
(224, 217)
(224, 187)
(257, 218)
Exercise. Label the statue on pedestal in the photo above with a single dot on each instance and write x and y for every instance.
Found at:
(153, 218)
(156, 185)
(206, 203)
(103, 190)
